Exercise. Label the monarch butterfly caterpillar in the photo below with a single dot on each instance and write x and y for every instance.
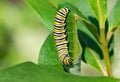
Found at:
(60, 36)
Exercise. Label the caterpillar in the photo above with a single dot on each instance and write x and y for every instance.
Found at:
(60, 36)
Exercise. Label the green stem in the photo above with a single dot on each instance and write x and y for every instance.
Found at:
(104, 41)
(109, 35)
(104, 44)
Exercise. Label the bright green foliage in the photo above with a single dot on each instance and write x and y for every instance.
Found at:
(29, 72)
(83, 34)
(75, 48)
(88, 28)
(82, 5)
(46, 11)
(99, 8)
(90, 58)
(48, 53)
(114, 19)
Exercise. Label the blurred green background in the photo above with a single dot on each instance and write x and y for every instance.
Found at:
(21, 33)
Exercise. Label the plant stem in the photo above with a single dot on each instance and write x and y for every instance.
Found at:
(109, 35)
(104, 44)
(104, 41)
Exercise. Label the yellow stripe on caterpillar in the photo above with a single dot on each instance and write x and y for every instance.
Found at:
(60, 34)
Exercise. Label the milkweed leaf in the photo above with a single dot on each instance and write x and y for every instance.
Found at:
(30, 72)
(114, 19)
(99, 7)
(48, 53)
(116, 58)
(45, 10)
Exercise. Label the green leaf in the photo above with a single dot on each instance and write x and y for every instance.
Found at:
(91, 58)
(75, 48)
(48, 53)
(116, 58)
(29, 72)
(99, 8)
(91, 28)
(45, 10)
(88, 40)
(82, 5)
(82, 19)
(114, 19)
